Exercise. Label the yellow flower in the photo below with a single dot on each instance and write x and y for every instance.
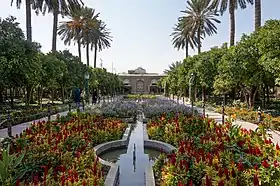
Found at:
(234, 116)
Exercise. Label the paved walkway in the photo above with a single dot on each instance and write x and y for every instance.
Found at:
(218, 118)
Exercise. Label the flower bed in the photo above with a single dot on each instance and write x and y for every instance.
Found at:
(211, 154)
(120, 109)
(251, 116)
(155, 108)
(61, 153)
(18, 117)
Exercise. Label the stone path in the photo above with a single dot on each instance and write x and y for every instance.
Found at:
(218, 118)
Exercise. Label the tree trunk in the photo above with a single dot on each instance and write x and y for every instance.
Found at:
(263, 96)
(232, 22)
(28, 94)
(1, 95)
(87, 53)
(55, 22)
(187, 48)
(257, 14)
(199, 40)
(12, 97)
(41, 97)
(79, 50)
(267, 94)
(28, 20)
(62, 94)
(38, 95)
(203, 94)
(52, 92)
(95, 54)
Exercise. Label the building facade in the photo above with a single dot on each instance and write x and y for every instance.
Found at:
(139, 81)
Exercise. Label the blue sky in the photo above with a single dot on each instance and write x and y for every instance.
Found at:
(140, 30)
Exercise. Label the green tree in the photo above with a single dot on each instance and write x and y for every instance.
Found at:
(53, 71)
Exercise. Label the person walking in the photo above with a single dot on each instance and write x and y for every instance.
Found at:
(78, 97)
(94, 96)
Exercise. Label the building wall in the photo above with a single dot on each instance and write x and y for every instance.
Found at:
(140, 80)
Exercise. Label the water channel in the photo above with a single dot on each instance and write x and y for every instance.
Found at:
(133, 160)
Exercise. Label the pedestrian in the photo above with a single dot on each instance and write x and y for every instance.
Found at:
(78, 97)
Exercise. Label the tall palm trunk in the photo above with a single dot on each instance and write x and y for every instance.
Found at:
(79, 50)
(232, 22)
(257, 14)
(55, 22)
(87, 53)
(95, 54)
(28, 20)
(199, 40)
(187, 48)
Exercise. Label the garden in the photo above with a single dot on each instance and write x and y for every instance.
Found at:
(213, 154)
(59, 152)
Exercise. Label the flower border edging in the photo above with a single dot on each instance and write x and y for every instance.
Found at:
(113, 174)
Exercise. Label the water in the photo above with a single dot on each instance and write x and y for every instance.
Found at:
(134, 160)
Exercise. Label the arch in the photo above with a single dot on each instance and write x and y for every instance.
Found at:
(126, 81)
(153, 82)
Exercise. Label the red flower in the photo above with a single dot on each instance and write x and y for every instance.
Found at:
(221, 183)
(275, 163)
(240, 166)
(277, 147)
(233, 173)
(265, 164)
(17, 182)
(256, 180)
(227, 173)
(208, 181)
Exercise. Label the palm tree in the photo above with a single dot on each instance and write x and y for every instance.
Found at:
(200, 19)
(101, 39)
(258, 14)
(231, 5)
(71, 30)
(90, 29)
(56, 7)
(182, 39)
(28, 4)
(172, 67)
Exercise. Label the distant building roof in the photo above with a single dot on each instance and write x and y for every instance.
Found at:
(140, 72)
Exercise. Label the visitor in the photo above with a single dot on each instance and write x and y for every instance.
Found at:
(94, 96)
(78, 97)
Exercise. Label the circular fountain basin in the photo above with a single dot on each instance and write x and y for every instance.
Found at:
(114, 155)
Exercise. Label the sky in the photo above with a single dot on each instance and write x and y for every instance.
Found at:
(141, 31)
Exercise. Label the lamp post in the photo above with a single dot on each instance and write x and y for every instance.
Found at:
(86, 86)
(190, 90)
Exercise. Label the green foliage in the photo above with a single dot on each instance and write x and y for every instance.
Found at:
(9, 172)
(245, 68)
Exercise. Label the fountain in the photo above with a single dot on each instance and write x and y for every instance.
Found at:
(141, 151)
